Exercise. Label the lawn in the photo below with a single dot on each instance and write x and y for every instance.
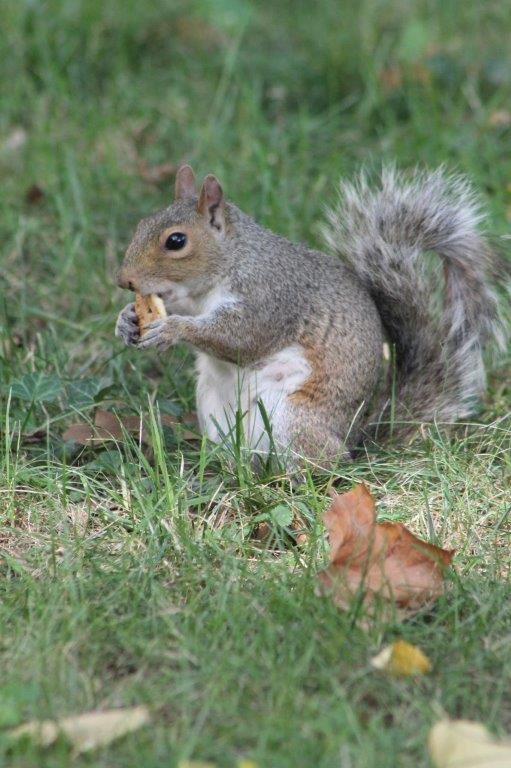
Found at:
(135, 575)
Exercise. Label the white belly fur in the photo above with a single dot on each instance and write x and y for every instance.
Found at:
(224, 388)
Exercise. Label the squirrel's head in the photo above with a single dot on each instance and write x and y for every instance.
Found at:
(181, 243)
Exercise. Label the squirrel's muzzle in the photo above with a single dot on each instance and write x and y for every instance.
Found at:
(125, 280)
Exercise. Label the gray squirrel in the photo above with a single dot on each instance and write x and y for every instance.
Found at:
(292, 337)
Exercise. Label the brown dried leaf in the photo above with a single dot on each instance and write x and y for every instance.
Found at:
(384, 560)
(110, 426)
(169, 421)
(107, 426)
(117, 426)
(191, 418)
(34, 194)
(82, 434)
(262, 531)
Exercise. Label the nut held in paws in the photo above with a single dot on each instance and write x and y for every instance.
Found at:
(148, 309)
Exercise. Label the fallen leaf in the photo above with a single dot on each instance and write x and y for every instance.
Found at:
(34, 194)
(262, 531)
(107, 426)
(379, 560)
(87, 731)
(401, 658)
(116, 425)
(191, 418)
(467, 744)
(83, 434)
(110, 426)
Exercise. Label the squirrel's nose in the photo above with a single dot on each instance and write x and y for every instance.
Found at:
(125, 281)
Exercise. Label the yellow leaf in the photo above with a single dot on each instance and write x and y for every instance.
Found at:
(402, 658)
(463, 743)
(87, 731)
(247, 764)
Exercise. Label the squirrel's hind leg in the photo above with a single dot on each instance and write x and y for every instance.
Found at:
(312, 441)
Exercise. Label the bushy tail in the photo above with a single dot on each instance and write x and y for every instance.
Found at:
(384, 235)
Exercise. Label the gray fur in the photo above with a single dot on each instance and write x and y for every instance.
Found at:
(337, 308)
(127, 325)
(383, 235)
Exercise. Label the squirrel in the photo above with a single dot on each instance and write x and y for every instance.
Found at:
(291, 338)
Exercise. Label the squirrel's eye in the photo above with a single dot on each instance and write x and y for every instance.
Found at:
(175, 241)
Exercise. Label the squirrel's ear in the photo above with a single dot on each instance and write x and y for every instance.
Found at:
(211, 202)
(185, 183)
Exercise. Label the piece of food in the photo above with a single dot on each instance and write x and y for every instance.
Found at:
(148, 309)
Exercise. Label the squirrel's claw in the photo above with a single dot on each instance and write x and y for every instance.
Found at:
(157, 335)
(126, 327)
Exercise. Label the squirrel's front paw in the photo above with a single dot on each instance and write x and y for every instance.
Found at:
(159, 334)
(126, 327)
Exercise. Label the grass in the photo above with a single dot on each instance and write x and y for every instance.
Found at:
(129, 578)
